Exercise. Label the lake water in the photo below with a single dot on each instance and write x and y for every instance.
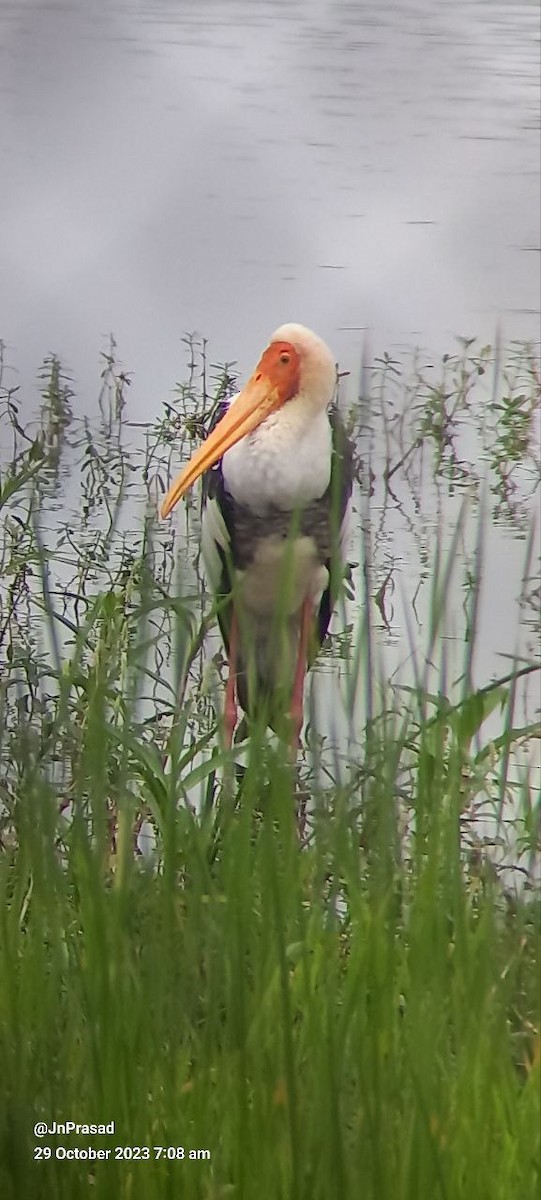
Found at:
(225, 165)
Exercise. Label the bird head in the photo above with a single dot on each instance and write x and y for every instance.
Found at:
(296, 364)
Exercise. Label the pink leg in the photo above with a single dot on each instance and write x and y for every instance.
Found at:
(230, 707)
(297, 710)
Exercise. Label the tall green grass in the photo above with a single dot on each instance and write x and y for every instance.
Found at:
(353, 1016)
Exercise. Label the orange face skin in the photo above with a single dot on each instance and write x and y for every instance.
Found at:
(275, 380)
(280, 363)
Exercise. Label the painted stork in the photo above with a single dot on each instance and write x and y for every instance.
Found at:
(277, 479)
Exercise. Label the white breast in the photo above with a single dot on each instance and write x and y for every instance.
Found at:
(286, 461)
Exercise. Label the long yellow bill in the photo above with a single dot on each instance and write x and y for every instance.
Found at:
(257, 400)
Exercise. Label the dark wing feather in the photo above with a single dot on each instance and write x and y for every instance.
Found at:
(336, 501)
(214, 491)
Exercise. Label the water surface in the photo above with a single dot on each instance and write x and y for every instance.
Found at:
(223, 166)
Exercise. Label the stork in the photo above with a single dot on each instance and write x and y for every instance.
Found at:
(277, 481)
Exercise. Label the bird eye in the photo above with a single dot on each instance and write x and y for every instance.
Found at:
(284, 357)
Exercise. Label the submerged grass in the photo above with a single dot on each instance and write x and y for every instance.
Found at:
(358, 1016)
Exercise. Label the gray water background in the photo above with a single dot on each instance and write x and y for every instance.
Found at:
(369, 169)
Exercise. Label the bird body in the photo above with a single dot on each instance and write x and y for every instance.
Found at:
(276, 468)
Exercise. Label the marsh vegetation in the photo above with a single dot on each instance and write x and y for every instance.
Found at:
(354, 1015)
